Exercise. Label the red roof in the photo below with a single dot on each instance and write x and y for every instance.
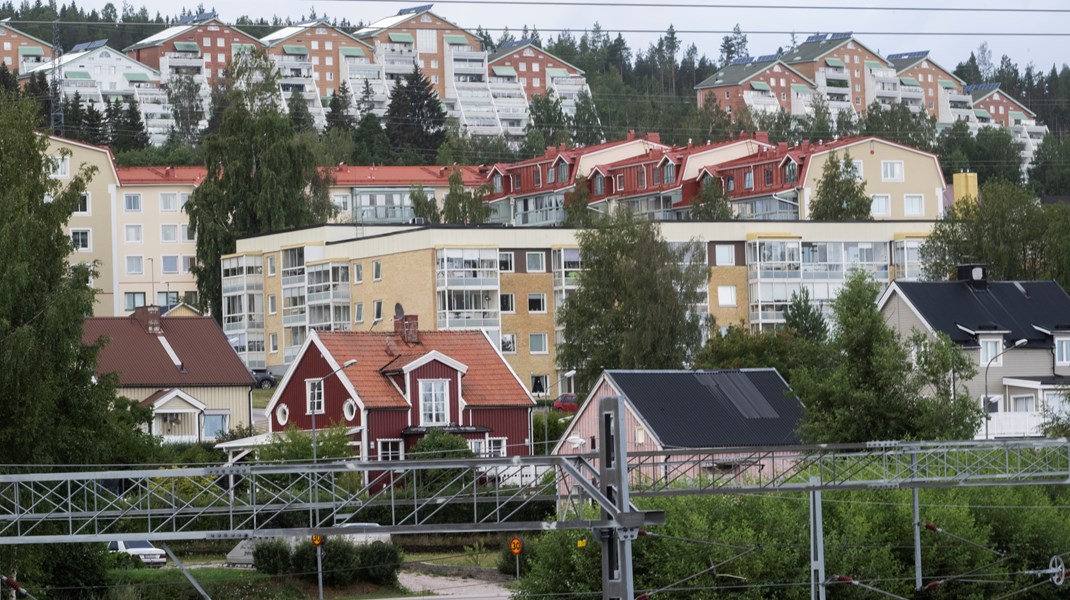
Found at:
(161, 175)
(141, 359)
(358, 176)
(488, 381)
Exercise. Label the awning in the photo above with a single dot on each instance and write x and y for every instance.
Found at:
(352, 51)
(187, 47)
(947, 84)
(455, 39)
(136, 77)
(401, 38)
(1018, 116)
(835, 62)
(295, 50)
(761, 86)
(31, 51)
(872, 64)
(981, 113)
(551, 73)
(76, 75)
(504, 71)
(800, 88)
(909, 81)
(236, 48)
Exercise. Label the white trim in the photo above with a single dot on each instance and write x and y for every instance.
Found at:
(312, 338)
(445, 402)
(508, 366)
(197, 405)
(434, 355)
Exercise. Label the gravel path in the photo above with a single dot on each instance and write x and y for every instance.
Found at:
(451, 587)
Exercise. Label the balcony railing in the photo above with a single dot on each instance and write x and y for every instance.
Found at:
(1012, 424)
(383, 214)
(542, 216)
(467, 319)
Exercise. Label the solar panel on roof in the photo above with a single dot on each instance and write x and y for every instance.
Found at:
(817, 37)
(415, 9)
(743, 60)
(79, 47)
(840, 36)
(89, 45)
(767, 58)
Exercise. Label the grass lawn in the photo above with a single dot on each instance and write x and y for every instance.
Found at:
(488, 559)
(262, 397)
(150, 584)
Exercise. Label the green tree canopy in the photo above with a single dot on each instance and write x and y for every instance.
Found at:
(415, 119)
(300, 117)
(578, 212)
(423, 206)
(804, 318)
(635, 306)
(711, 203)
(1048, 172)
(740, 347)
(371, 144)
(187, 107)
(338, 116)
(461, 205)
(841, 192)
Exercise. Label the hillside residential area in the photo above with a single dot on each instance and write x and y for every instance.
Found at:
(275, 243)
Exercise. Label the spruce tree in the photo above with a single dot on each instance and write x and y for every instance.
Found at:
(8, 81)
(338, 116)
(136, 136)
(415, 119)
(841, 193)
(371, 144)
(94, 129)
(300, 118)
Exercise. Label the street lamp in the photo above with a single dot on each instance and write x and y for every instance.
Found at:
(987, 402)
(546, 419)
(315, 488)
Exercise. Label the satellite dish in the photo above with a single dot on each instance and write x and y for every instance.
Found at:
(399, 311)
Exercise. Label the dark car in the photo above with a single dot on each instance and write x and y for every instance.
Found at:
(264, 379)
(566, 403)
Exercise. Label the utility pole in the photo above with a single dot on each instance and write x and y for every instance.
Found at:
(56, 102)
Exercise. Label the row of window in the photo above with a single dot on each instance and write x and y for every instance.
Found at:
(169, 202)
(294, 263)
(169, 233)
(538, 343)
(169, 264)
(536, 303)
(666, 173)
(132, 300)
(993, 349)
(913, 205)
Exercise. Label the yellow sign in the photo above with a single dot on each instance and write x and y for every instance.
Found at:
(317, 540)
(516, 546)
(581, 543)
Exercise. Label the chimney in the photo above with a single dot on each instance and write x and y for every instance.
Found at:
(654, 136)
(761, 136)
(408, 327)
(976, 275)
(782, 147)
(149, 317)
(806, 145)
(631, 134)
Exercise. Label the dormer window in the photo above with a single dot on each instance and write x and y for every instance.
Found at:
(434, 405)
(516, 182)
(991, 348)
(538, 176)
(670, 173)
(620, 182)
(562, 171)
(791, 172)
(1062, 351)
(314, 396)
(599, 184)
(550, 173)
(497, 183)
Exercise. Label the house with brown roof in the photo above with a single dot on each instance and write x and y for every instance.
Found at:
(182, 368)
(403, 384)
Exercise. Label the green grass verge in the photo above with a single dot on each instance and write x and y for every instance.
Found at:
(488, 559)
(262, 397)
(231, 584)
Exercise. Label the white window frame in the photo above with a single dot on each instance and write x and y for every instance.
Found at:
(887, 203)
(501, 451)
(272, 266)
(507, 257)
(358, 273)
(545, 343)
(892, 170)
(921, 205)
(377, 270)
(1062, 351)
(501, 344)
(726, 296)
(986, 353)
(88, 240)
(273, 343)
(377, 311)
(400, 449)
(88, 206)
(140, 261)
(545, 379)
(163, 236)
(163, 264)
(724, 255)
(134, 295)
(1032, 398)
(127, 202)
(424, 389)
(541, 260)
(61, 167)
(534, 296)
(314, 401)
(173, 204)
(273, 304)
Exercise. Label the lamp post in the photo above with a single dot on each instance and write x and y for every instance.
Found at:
(315, 487)
(546, 419)
(986, 403)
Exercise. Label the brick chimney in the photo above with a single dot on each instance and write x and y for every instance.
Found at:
(782, 147)
(631, 134)
(149, 317)
(761, 136)
(408, 327)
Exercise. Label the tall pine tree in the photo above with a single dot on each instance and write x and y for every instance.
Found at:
(415, 119)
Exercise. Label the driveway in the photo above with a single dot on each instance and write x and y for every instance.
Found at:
(450, 587)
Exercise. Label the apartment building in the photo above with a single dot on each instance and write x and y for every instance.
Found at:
(378, 195)
(539, 72)
(322, 45)
(156, 249)
(941, 90)
(21, 51)
(509, 282)
(100, 75)
(780, 183)
(200, 41)
(844, 70)
(532, 192)
(763, 85)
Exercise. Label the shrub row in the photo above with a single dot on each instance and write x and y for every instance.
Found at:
(344, 562)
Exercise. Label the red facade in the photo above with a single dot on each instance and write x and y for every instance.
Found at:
(312, 365)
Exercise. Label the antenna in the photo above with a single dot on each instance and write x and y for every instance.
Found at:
(57, 102)
(399, 311)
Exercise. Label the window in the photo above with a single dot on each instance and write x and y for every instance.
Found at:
(726, 295)
(132, 300)
(551, 174)
(169, 264)
(508, 343)
(748, 180)
(273, 343)
(1062, 351)
(185, 234)
(132, 202)
(168, 202)
(433, 403)
(536, 262)
(377, 310)
(391, 450)
(168, 233)
(516, 181)
(537, 343)
(377, 270)
(83, 205)
(990, 352)
(342, 202)
(620, 182)
(496, 446)
(791, 172)
(858, 169)
(913, 205)
(1023, 403)
(538, 176)
(476, 446)
(273, 304)
(220, 42)
(505, 260)
(508, 303)
(769, 176)
(215, 425)
(562, 171)
(641, 178)
(80, 239)
(271, 266)
(133, 265)
(358, 273)
(536, 303)
(724, 255)
(891, 170)
(523, 67)
(358, 312)
(61, 167)
(599, 184)
(315, 45)
(497, 183)
(166, 298)
(313, 396)
(539, 384)
(187, 263)
(880, 205)
(730, 183)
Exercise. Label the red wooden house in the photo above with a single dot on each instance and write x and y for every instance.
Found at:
(403, 384)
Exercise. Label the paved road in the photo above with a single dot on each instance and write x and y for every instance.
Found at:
(450, 587)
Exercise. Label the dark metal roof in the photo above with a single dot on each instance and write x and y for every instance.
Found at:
(1011, 306)
(905, 60)
(738, 71)
(980, 90)
(703, 409)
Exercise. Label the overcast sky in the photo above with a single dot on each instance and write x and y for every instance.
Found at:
(903, 29)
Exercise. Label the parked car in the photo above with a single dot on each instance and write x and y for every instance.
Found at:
(566, 403)
(264, 379)
(149, 554)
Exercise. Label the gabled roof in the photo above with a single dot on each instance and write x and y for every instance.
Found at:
(403, 15)
(820, 44)
(277, 37)
(188, 351)
(187, 25)
(980, 91)
(488, 381)
(1022, 309)
(708, 409)
(6, 24)
(66, 59)
(905, 60)
(742, 69)
(510, 48)
(192, 175)
(371, 176)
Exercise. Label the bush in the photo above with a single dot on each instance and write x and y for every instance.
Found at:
(303, 561)
(272, 557)
(507, 562)
(339, 562)
(123, 561)
(379, 562)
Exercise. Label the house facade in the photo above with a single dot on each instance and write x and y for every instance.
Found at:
(1017, 333)
(539, 72)
(763, 85)
(20, 51)
(199, 41)
(404, 383)
(320, 47)
(181, 367)
(381, 194)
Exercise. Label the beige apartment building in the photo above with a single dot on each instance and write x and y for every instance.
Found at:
(510, 282)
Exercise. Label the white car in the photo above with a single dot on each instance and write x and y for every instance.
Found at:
(149, 554)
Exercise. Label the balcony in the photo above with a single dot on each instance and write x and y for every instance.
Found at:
(468, 319)
(837, 74)
(1012, 425)
(383, 214)
(542, 216)
(466, 278)
(181, 59)
(761, 101)
(888, 90)
(909, 91)
(243, 322)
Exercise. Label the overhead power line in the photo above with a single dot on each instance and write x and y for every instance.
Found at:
(718, 5)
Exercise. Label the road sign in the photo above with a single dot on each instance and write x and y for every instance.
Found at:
(317, 540)
(516, 546)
